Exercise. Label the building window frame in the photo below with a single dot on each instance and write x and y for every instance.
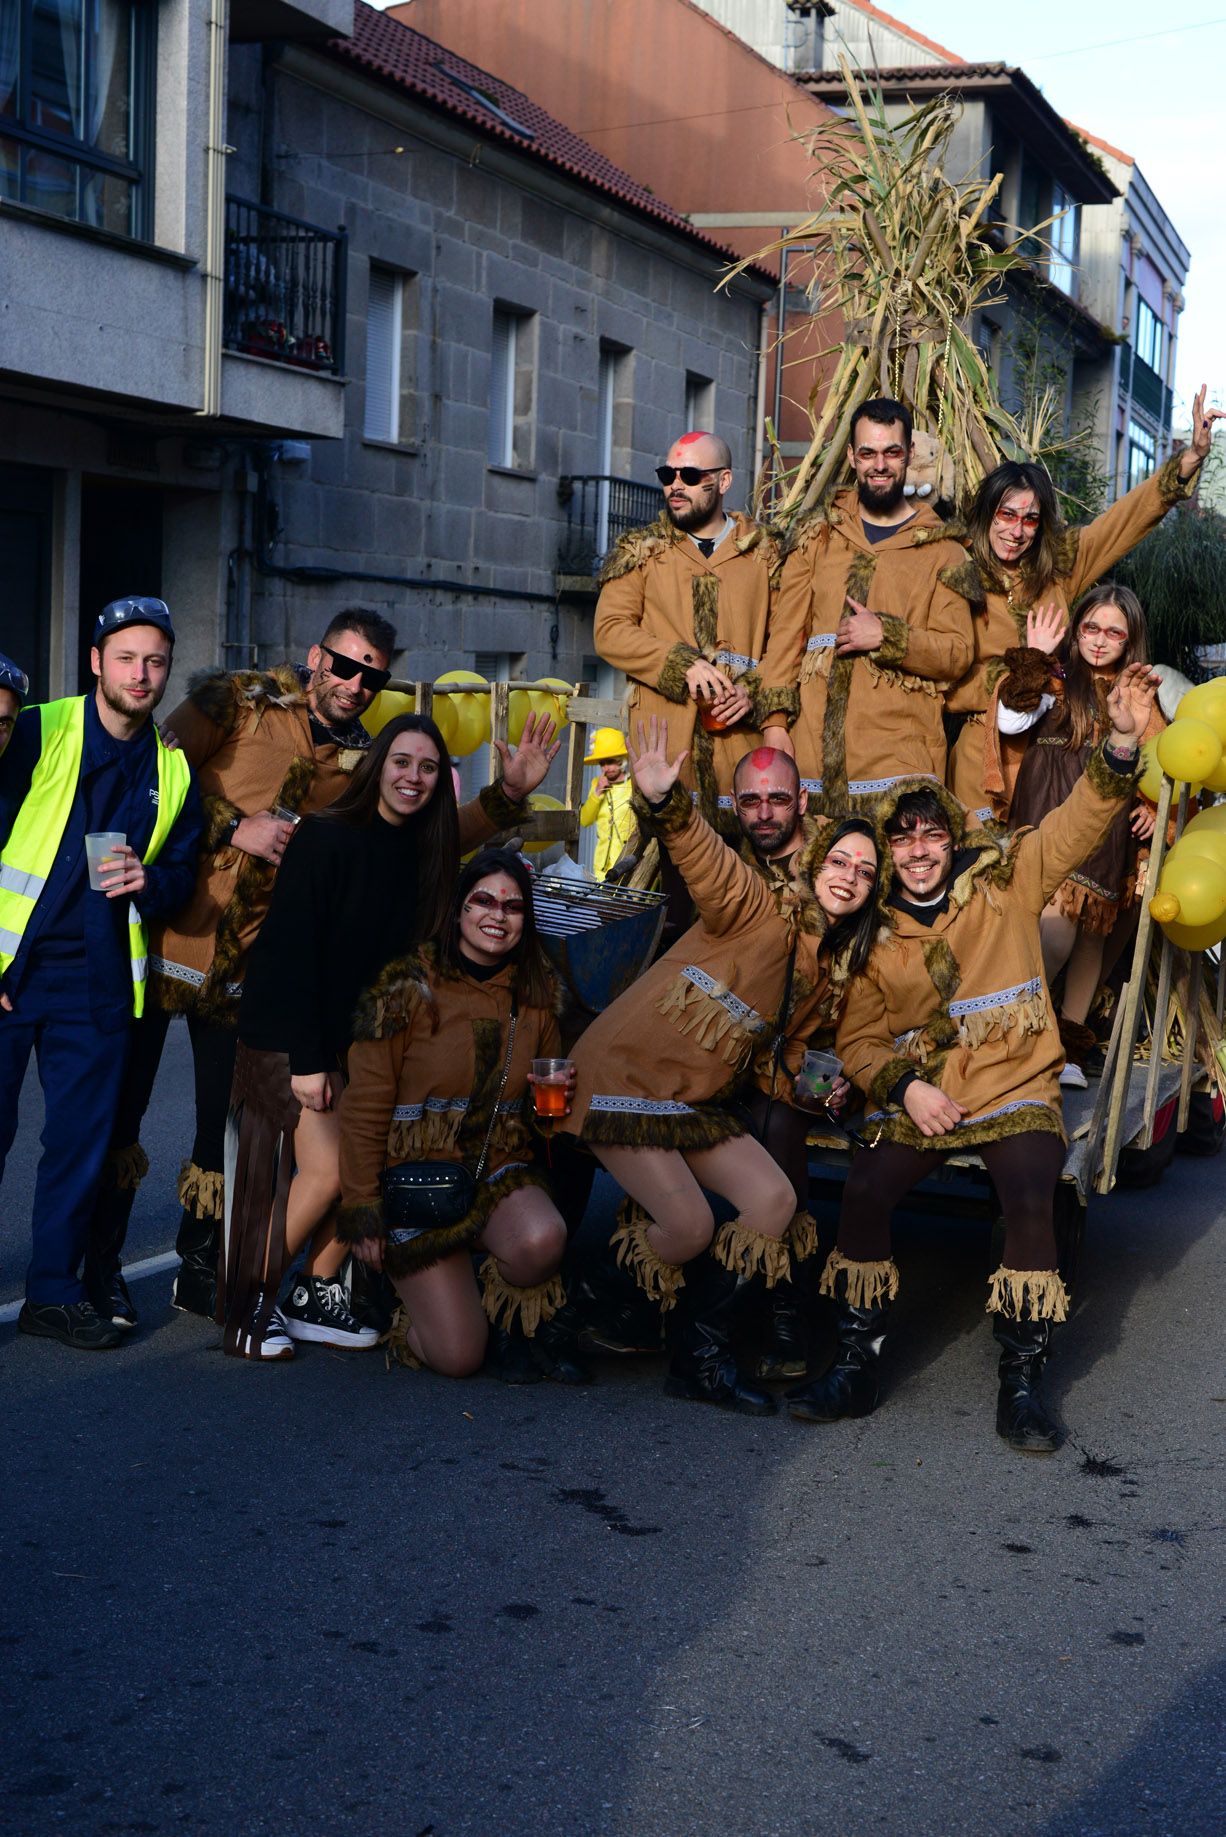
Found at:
(1142, 454)
(1147, 338)
(512, 393)
(699, 401)
(30, 136)
(1062, 262)
(387, 401)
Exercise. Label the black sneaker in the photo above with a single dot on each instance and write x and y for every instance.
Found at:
(319, 1310)
(73, 1323)
(111, 1300)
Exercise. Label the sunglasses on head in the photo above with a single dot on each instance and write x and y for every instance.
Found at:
(689, 475)
(346, 668)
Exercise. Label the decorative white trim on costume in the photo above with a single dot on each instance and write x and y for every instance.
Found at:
(195, 979)
(639, 1106)
(733, 660)
(741, 1012)
(822, 642)
(975, 1004)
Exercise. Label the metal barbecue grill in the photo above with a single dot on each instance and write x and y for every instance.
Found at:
(599, 936)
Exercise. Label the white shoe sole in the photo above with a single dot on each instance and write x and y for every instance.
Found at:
(360, 1341)
(1072, 1078)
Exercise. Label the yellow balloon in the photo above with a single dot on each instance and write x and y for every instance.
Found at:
(555, 706)
(1196, 937)
(1216, 781)
(1206, 844)
(1198, 884)
(540, 800)
(1164, 908)
(519, 707)
(1151, 772)
(471, 727)
(1188, 750)
(479, 722)
(446, 719)
(386, 706)
(1207, 702)
(1212, 817)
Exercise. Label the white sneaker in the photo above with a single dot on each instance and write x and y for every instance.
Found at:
(276, 1343)
(1073, 1078)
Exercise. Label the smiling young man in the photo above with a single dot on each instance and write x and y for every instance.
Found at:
(73, 957)
(872, 619)
(950, 1032)
(685, 610)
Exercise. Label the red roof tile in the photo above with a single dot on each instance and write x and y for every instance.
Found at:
(396, 54)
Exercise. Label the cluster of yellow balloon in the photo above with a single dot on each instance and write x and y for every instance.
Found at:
(1190, 904)
(386, 706)
(464, 720)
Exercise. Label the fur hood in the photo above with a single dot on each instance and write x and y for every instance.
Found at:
(991, 862)
(408, 983)
(224, 696)
(639, 546)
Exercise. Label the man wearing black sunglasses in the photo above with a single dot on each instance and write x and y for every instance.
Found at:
(267, 746)
(684, 611)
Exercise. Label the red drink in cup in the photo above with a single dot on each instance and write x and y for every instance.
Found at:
(551, 1087)
(708, 717)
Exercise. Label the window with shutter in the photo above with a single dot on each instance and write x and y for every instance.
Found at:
(384, 315)
(502, 389)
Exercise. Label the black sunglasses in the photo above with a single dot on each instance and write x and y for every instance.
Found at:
(346, 668)
(689, 475)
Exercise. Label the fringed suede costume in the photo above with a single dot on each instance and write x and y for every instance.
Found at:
(424, 1070)
(868, 720)
(983, 765)
(662, 606)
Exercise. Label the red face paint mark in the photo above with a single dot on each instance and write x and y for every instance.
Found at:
(763, 758)
(689, 439)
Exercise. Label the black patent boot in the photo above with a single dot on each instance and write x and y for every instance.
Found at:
(851, 1387)
(1021, 1419)
(556, 1352)
(785, 1349)
(608, 1311)
(697, 1331)
(509, 1357)
(195, 1283)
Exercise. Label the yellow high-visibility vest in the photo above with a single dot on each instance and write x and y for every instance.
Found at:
(29, 854)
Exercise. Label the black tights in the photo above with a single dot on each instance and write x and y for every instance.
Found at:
(1024, 1171)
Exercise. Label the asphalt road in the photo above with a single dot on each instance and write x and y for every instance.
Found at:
(326, 1597)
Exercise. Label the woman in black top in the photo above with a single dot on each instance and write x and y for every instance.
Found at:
(361, 884)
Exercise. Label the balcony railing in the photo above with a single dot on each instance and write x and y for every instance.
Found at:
(1146, 387)
(285, 288)
(599, 510)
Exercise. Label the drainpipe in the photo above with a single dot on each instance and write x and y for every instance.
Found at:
(215, 209)
(759, 420)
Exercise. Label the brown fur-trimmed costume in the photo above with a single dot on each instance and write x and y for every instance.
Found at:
(424, 1070)
(983, 764)
(867, 720)
(662, 606)
(963, 1002)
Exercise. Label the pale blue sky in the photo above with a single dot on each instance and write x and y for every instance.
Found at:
(1151, 95)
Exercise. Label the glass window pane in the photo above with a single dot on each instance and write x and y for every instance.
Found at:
(51, 183)
(56, 92)
(106, 202)
(110, 127)
(10, 55)
(10, 169)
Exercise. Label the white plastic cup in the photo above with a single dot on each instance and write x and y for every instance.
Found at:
(815, 1079)
(100, 855)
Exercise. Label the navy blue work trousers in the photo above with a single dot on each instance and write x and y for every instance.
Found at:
(81, 1070)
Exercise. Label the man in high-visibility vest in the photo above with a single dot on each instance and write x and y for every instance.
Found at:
(73, 955)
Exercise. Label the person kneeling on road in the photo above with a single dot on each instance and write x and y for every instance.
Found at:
(951, 1032)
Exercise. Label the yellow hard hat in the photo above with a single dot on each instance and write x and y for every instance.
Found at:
(607, 743)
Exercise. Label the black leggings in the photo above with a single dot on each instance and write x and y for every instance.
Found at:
(1024, 1171)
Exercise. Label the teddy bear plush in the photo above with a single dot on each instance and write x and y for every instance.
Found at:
(931, 472)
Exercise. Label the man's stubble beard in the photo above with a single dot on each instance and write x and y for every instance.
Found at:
(694, 516)
(117, 701)
(881, 500)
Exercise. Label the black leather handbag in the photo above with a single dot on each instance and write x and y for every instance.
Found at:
(421, 1196)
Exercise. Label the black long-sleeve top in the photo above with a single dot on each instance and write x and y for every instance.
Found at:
(344, 905)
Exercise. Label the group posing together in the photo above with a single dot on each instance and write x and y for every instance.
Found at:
(365, 1012)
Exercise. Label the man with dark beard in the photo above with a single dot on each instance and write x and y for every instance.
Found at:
(684, 611)
(872, 620)
(73, 944)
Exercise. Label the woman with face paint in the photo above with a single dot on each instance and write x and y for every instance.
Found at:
(1054, 699)
(1027, 557)
(658, 1071)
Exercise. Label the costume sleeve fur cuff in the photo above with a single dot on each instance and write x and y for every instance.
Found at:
(672, 684)
(1109, 780)
(218, 815)
(775, 707)
(885, 1080)
(502, 811)
(1175, 488)
(671, 818)
(1027, 678)
(353, 1223)
(894, 635)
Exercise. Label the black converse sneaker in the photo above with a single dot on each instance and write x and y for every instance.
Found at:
(319, 1310)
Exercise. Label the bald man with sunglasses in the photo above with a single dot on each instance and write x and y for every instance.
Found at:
(684, 611)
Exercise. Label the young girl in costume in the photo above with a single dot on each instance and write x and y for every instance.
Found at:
(1054, 693)
(659, 1070)
(439, 1072)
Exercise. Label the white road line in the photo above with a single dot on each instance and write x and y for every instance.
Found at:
(151, 1266)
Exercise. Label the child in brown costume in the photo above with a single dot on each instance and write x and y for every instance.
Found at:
(950, 1032)
(655, 1070)
(1054, 693)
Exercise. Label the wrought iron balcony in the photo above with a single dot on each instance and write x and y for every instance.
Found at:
(600, 509)
(285, 288)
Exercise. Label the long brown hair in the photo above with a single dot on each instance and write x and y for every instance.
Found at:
(1077, 721)
(535, 980)
(435, 828)
(1037, 568)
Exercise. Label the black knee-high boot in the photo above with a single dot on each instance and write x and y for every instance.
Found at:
(697, 1334)
(1021, 1417)
(862, 1295)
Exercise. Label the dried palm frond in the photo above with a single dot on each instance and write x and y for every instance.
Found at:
(906, 256)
